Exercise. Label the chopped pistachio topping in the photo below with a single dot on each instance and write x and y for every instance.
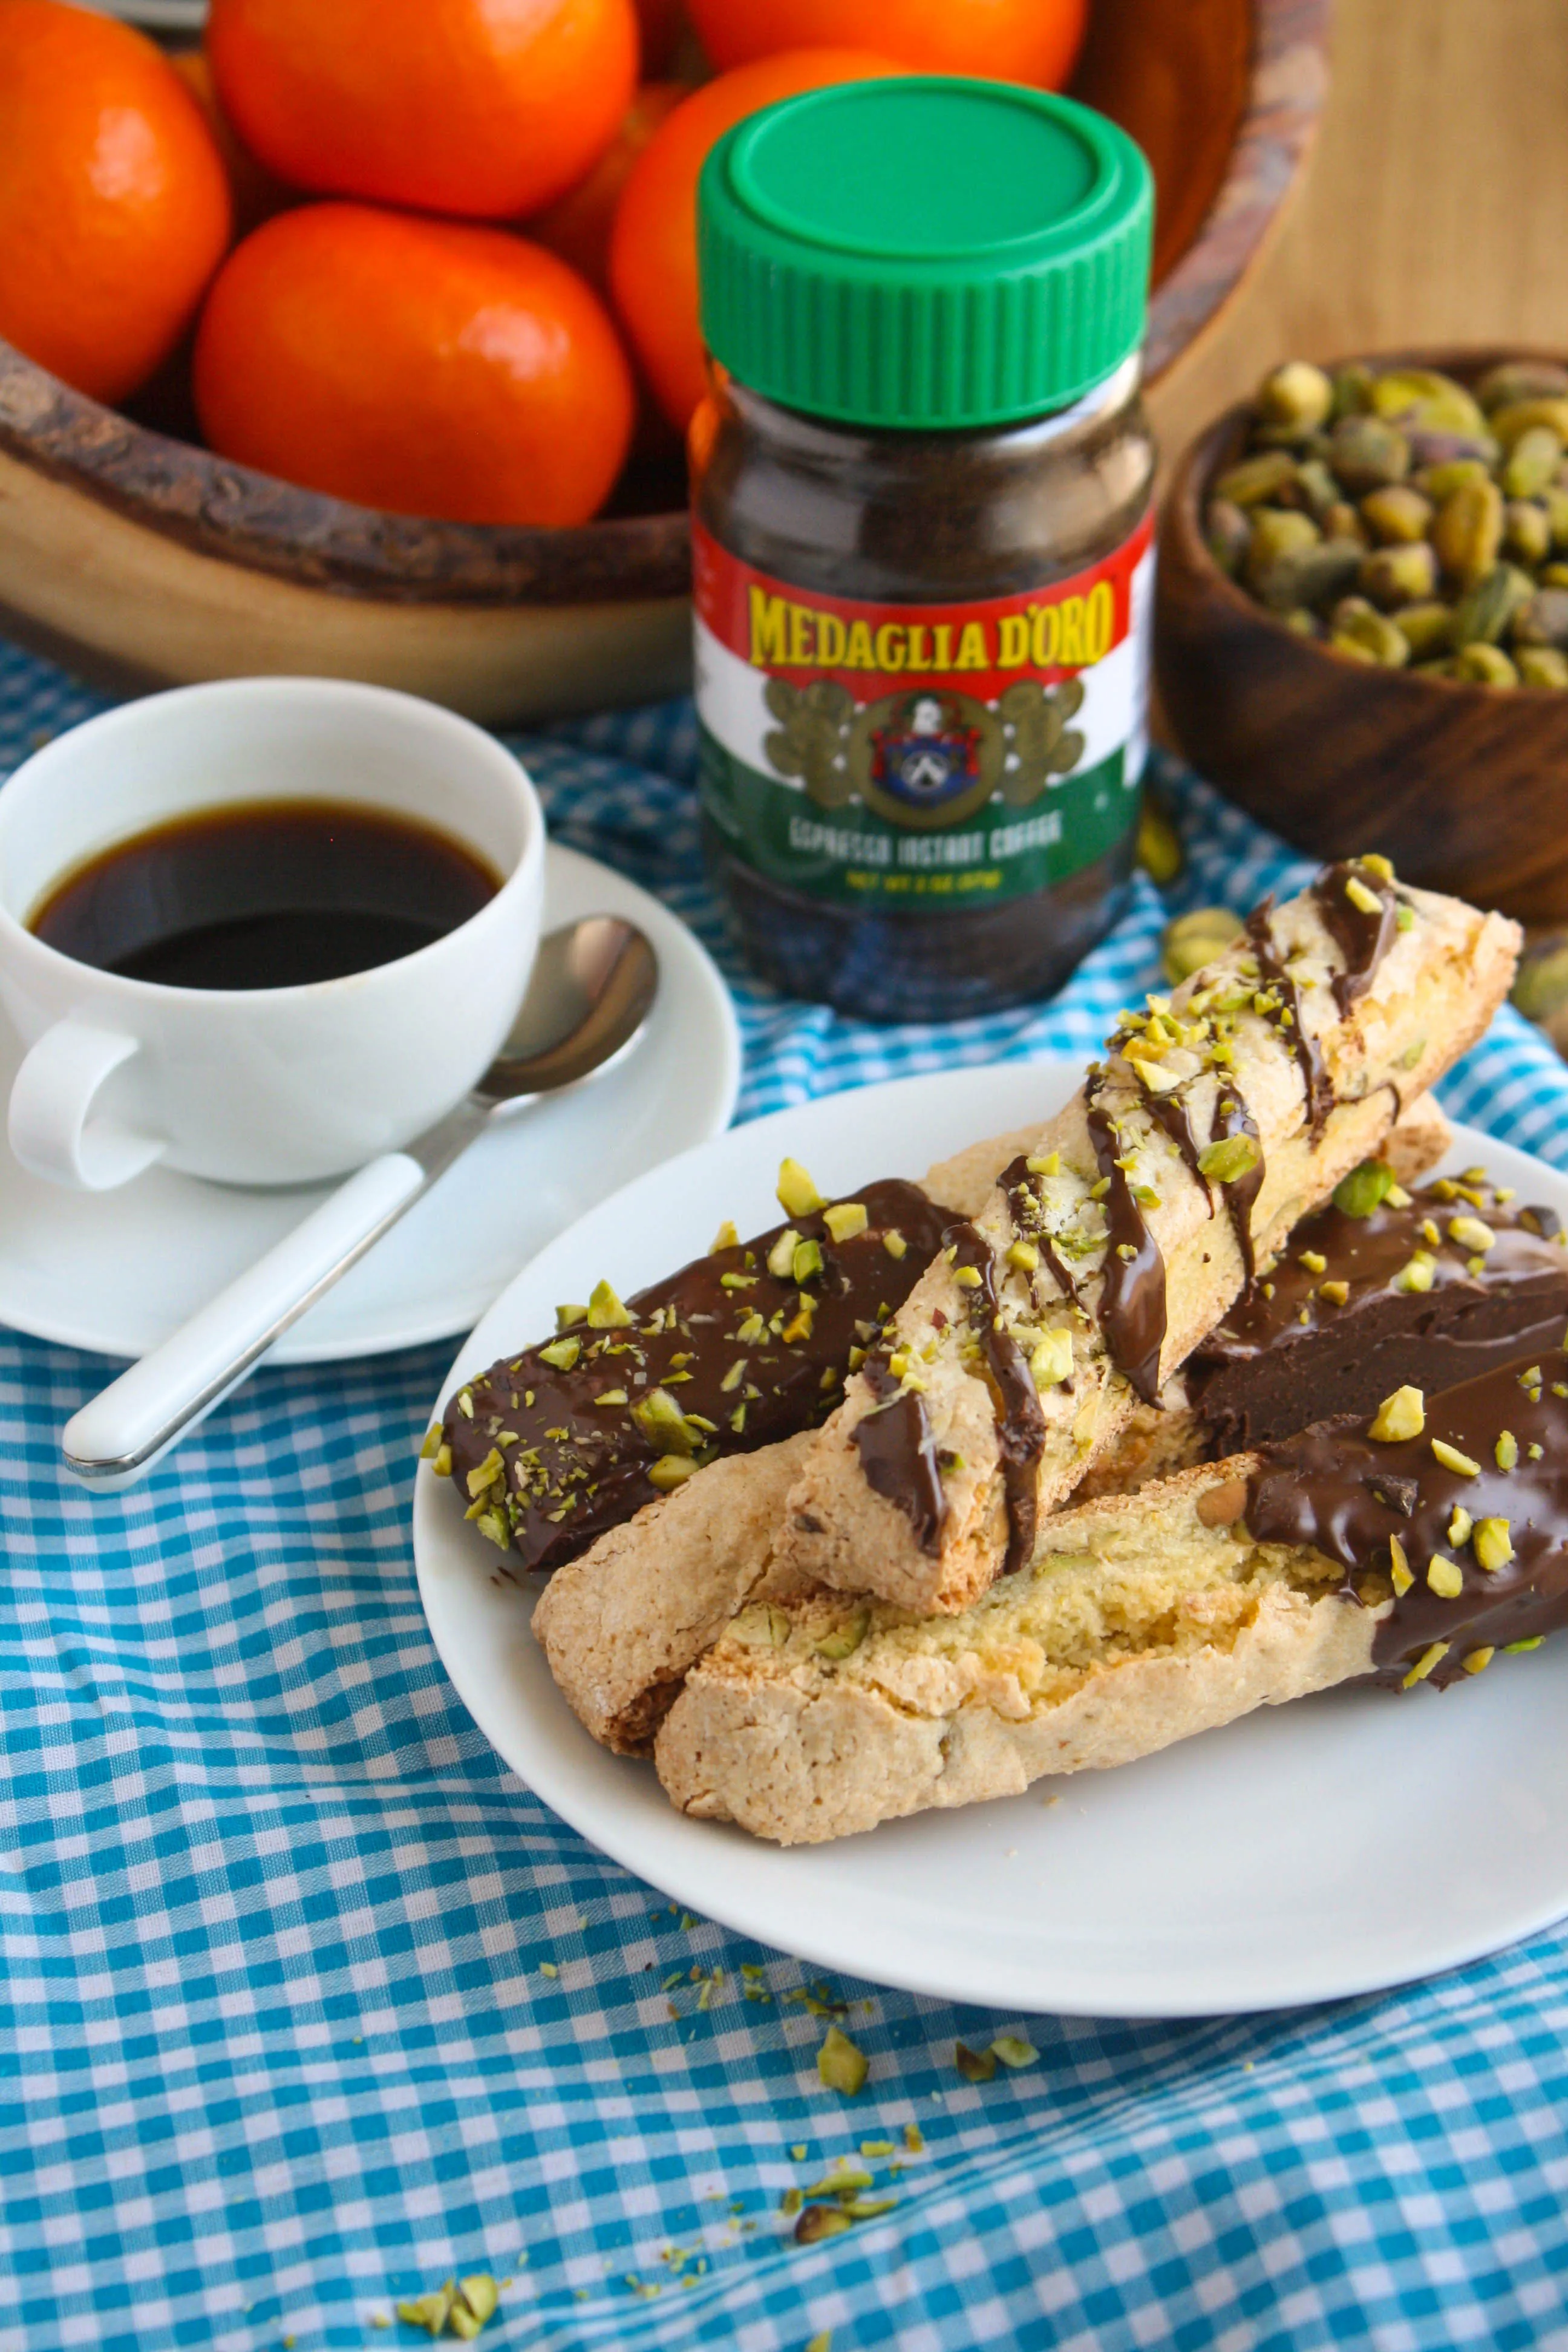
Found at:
(781, 1257)
(735, 1376)
(840, 2065)
(750, 1330)
(1479, 1660)
(1445, 1576)
(1335, 1293)
(1050, 1359)
(1049, 1165)
(1380, 868)
(605, 1310)
(823, 2220)
(725, 1238)
(975, 2065)
(1461, 1525)
(1232, 1157)
(1157, 1078)
(611, 1396)
(1314, 1261)
(1513, 1649)
(805, 1262)
(671, 1470)
(1400, 1571)
(1452, 1459)
(1364, 1189)
(846, 1638)
(565, 1317)
(968, 1277)
(1505, 1452)
(1424, 1664)
(1494, 1544)
(561, 1353)
(491, 1468)
(663, 1424)
(1400, 1416)
(1024, 1256)
(1419, 1275)
(1366, 901)
(1014, 2051)
(1470, 1234)
(432, 1445)
(442, 1463)
(797, 1195)
(845, 1221)
(894, 1242)
(914, 2139)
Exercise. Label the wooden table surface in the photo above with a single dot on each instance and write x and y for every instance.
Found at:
(1435, 210)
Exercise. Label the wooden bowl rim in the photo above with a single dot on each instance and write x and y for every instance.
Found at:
(1201, 460)
(239, 516)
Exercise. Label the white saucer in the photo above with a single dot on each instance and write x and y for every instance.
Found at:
(118, 1271)
(1347, 1842)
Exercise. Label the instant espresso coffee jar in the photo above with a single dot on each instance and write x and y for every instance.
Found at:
(923, 562)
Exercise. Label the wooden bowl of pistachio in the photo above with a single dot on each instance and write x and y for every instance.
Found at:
(1361, 618)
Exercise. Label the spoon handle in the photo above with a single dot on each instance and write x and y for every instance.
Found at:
(117, 1438)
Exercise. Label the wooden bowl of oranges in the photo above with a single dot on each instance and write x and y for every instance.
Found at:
(362, 340)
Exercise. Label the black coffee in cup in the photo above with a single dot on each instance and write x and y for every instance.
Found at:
(264, 894)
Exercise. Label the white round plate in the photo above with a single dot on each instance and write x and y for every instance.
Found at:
(117, 1272)
(1335, 1846)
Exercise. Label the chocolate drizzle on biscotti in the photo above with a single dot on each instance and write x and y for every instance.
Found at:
(1132, 1304)
(1232, 1119)
(1362, 934)
(1278, 982)
(1020, 1423)
(1465, 1524)
(898, 1453)
(555, 1445)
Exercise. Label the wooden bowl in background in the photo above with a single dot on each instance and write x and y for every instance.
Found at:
(140, 559)
(1465, 787)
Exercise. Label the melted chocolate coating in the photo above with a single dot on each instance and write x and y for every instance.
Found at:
(898, 1453)
(1364, 940)
(1346, 1496)
(1308, 1053)
(1233, 1117)
(574, 1468)
(1133, 1306)
(1284, 1356)
(1020, 1423)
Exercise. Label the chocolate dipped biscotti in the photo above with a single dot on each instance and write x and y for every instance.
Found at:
(622, 1623)
(1412, 1548)
(1382, 1288)
(1218, 1118)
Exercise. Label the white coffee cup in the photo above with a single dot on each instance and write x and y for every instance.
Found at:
(276, 1086)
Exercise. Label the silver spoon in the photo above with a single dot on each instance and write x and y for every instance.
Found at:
(591, 989)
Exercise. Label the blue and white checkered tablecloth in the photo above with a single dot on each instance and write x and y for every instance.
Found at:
(307, 2004)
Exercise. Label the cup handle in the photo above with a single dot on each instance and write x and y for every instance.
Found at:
(51, 1129)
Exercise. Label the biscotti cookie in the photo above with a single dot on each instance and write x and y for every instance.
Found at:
(1219, 1117)
(621, 1621)
(1412, 1548)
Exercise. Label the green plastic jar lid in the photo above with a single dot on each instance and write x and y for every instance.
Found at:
(924, 253)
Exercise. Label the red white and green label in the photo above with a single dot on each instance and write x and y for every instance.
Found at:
(923, 757)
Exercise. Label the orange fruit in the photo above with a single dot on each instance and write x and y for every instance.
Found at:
(491, 108)
(653, 245)
(428, 366)
(114, 209)
(577, 226)
(1006, 40)
(255, 194)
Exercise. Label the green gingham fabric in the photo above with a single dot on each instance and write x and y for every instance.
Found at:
(306, 2003)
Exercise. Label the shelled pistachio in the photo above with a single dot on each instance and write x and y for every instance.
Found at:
(1405, 519)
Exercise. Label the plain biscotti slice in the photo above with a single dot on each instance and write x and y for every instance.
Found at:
(1218, 1119)
(1414, 1546)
